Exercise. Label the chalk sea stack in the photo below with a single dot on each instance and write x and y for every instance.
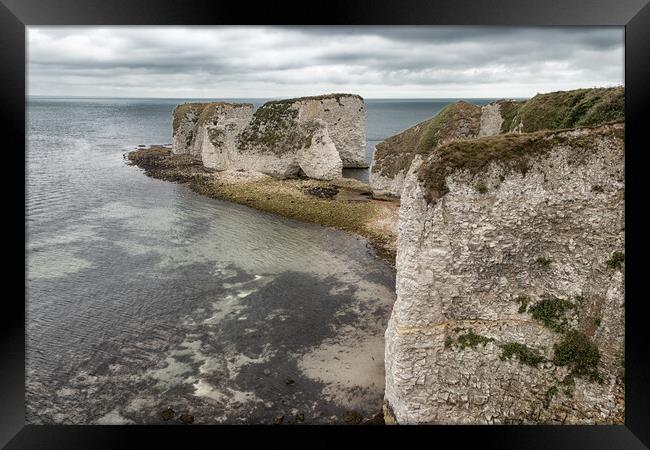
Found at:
(311, 136)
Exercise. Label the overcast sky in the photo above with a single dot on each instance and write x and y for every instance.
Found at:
(375, 62)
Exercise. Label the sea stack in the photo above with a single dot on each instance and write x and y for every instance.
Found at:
(310, 136)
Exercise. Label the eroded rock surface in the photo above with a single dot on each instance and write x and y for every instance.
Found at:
(510, 282)
(314, 136)
(393, 157)
(345, 117)
(555, 110)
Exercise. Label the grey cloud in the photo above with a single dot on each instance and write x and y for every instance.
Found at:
(281, 61)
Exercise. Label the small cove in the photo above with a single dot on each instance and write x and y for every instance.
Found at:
(142, 294)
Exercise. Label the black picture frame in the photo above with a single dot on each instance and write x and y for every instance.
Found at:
(15, 15)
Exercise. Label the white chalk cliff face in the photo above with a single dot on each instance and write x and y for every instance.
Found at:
(217, 128)
(510, 283)
(491, 119)
(314, 136)
(345, 117)
(185, 119)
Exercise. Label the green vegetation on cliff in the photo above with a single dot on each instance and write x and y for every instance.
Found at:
(395, 154)
(275, 128)
(578, 352)
(552, 312)
(565, 109)
(616, 260)
(525, 354)
(515, 151)
(551, 111)
(508, 110)
(181, 111)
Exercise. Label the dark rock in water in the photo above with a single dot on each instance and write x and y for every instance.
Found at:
(187, 418)
(300, 417)
(323, 192)
(141, 145)
(289, 381)
(168, 413)
(352, 417)
(279, 420)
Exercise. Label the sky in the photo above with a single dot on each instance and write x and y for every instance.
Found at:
(277, 62)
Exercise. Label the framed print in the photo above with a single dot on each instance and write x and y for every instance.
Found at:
(425, 217)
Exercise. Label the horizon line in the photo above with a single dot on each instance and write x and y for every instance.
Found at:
(264, 98)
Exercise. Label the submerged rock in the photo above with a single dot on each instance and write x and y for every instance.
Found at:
(323, 192)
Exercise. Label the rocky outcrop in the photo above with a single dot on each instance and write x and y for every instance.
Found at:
(555, 110)
(217, 127)
(312, 136)
(280, 142)
(321, 159)
(345, 117)
(510, 282)
(393, 157)
(184, 127)
(491, 119)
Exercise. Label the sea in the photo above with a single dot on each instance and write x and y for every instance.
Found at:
(147, 303)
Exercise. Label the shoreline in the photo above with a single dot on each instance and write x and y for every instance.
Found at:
(345, 204)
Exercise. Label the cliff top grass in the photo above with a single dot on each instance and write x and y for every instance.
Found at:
(551, 111)
(182, 110)
(202, 111)
(395, 154)
(508, 110)
(515, 151)
(334, 96)
(565, 109)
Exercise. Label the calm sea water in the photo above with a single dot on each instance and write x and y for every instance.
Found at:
(142, 294)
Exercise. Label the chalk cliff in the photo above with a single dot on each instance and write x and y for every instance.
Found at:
(555, 110)
(312, 136)
(510, 281)
(345, 117)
